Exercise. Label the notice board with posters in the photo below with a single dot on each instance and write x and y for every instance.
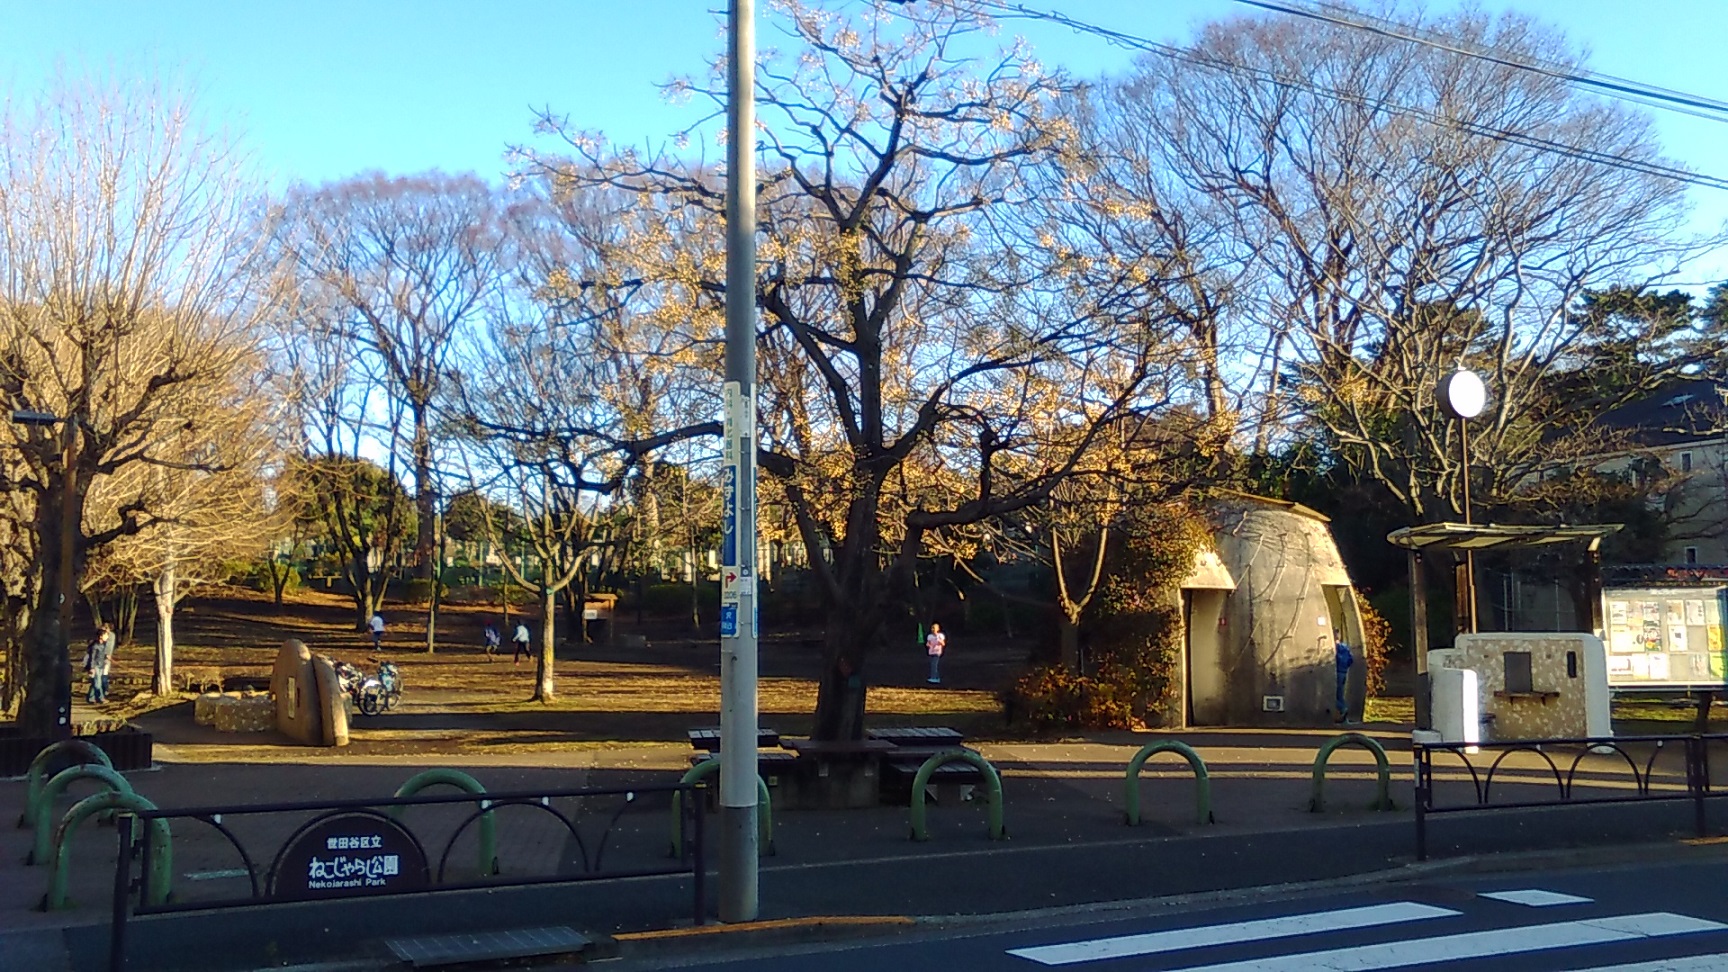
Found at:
(1665, 637)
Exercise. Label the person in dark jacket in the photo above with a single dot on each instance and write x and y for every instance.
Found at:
(1343, 659)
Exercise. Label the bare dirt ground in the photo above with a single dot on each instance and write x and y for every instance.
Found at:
(642, 686)
(647, 684)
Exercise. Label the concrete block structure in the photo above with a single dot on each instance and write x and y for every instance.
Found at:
(1535, 685)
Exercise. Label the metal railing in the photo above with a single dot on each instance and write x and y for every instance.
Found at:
(132, 863)
(1623, 770)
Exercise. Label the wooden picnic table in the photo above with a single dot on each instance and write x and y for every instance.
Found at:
(920, 736)
(708, 738)
(838, 747)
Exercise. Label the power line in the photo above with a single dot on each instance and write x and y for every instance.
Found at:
(1191, 56)
(1697, 106)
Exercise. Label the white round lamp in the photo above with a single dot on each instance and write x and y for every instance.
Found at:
(1463, 395)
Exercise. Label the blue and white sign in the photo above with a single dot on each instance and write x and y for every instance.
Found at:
(728, 516)
(738, 514)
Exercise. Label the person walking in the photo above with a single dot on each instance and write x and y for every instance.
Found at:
(490, 638)
(1343, 660)
(934, 642)
(520, 640)
(376, 625)
(97, 659)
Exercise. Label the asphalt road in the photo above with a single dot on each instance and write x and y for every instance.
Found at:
(1668, 918)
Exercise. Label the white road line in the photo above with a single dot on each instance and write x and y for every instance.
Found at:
(1176, 939)
(1474, 945)
(1690, 963)
(1535, 898)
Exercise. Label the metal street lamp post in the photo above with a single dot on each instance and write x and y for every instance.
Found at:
(1462, 396)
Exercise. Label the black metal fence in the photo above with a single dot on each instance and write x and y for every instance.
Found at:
(365, 848)
(1567, 772)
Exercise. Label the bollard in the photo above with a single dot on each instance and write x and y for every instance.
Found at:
(764, 807)
(43, 848)
(1382, 800)
(1202, 779)
(992, 790)
(156, 883)
(38, 773)
(468, 784)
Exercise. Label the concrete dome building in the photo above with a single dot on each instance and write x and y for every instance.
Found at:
(1261, 610)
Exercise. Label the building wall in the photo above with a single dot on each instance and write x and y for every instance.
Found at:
(1694, 497)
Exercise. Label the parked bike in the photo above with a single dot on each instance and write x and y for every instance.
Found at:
(372, 694)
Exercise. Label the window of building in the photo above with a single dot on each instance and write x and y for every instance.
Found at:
(1691, 555)
(1685, 462)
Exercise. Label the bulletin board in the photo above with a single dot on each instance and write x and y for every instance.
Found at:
(1665, 637)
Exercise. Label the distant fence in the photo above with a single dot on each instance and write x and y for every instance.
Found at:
(371, 847)
(1615, 770)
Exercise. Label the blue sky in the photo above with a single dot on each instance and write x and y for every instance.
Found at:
(325, 89)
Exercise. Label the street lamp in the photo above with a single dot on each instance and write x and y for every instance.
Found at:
(1463, 396)
(61, 636)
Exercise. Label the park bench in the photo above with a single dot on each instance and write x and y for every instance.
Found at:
(919, 736)
(707, 738)
(771, 764)
(949, 782)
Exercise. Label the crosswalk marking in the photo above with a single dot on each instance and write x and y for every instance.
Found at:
(1535, 898)
(1690, 963)
(1176, 939)
(1472, 945)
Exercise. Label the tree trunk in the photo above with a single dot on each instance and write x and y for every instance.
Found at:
(580, 609)
(443, 539)
(47, 706)
(544, 688)
(840, 696)
(163, 681)
(278, 580)
(1068, 641)
(126, 615)
(359, 578)
(425, 499)
(432, 619)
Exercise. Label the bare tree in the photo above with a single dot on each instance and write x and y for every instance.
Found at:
(406, 266)
(533, 379)
(1400, 211)
(129, 288)
(926, 358)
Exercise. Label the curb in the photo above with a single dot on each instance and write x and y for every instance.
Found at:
(814, 923)
(747, 935)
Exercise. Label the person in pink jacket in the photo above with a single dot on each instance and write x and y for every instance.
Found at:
(934, 642)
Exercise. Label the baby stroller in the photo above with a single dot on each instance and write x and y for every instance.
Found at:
(372, 694)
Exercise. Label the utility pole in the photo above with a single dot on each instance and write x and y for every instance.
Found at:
(738, 898)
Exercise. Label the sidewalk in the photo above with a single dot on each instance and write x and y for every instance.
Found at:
(1063, 810)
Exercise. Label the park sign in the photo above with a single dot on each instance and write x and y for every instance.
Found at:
(1665, 637)
(349, 854)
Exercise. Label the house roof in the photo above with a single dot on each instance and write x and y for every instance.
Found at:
(1684, 411)
(1494, 536)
